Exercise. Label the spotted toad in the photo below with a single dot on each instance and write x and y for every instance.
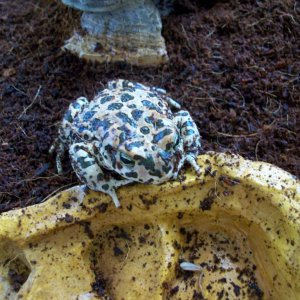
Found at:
(129, 129)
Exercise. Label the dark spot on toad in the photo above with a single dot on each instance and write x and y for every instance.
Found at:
(105, 187)
(115, 106)
(126, 97)
(106, 99)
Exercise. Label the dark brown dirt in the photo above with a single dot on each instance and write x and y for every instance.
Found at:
(233, 64)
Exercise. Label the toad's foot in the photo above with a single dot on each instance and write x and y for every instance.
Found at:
(59, 148)
(88, 170)
(193, 162)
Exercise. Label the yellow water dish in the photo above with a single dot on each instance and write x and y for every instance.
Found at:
(232, 232)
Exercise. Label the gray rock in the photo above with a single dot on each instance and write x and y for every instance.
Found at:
(141, 20)
(98, 5)
(164, 6)
(119, 30)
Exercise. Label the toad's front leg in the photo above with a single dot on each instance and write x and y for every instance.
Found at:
(87, 168)
(65, 131)
(191, 137)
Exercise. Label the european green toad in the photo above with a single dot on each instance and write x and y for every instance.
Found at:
(129, 129)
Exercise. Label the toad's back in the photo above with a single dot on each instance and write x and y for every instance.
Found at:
(130, 111)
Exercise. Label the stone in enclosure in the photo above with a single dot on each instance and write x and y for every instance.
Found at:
(164, 6)
(127, 31)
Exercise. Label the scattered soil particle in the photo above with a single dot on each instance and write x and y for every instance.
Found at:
(165, 285)
(118, 251)
(255, 291)
(148, 202)
(66, 205)
(197, 295)
(68, 218)
(208, 201)
(174, 290)
(229, 181)
(233, 64)
(18, 273)
(142, 240)
(102, 207)
(180, 215)
(99, 287)
(16, 279)
(236, 289)
(87, 229)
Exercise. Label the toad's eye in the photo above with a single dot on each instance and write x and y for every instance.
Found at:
(127, 160)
